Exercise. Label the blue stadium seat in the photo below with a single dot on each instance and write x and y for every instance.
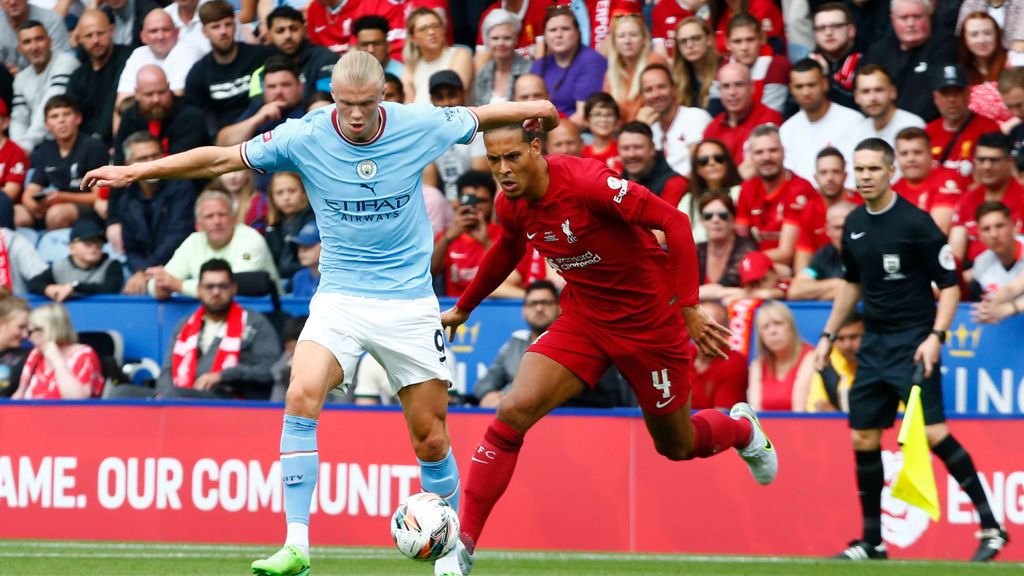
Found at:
(53, 245)
(30, 234)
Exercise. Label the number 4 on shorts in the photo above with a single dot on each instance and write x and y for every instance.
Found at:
(660, 382)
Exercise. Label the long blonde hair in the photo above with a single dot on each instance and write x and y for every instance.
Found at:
(623, 86)
(411, 53)
(703, 72)
(55, 322)
(781, 312)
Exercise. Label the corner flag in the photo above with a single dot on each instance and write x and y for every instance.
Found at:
(915, 484)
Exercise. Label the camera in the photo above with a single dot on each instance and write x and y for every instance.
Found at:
(467, 200)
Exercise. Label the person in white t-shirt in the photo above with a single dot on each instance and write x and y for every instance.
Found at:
(446, 89)
(160, 47)
(818, 124)
(875, 94)
(1004, 258)
(677, 129)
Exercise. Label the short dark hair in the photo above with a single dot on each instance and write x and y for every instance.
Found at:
(318, 96)
(527, 135)
(541, 285)
(743, 20)
(370, 22)
(280, 63)
(878, 145)
(659, 66)
(913, 133)
(32, 24)
(215, 10)
(991, 206)
(830, 151)
(853, 318)
(717, 196)
(602, 99)
(807, 65)
(477, 179)
(61, 101)
(286, 12)
(636, 127)
(834, 7)
(216, 265)
(996, 140)
(869, 69)
(390, 78)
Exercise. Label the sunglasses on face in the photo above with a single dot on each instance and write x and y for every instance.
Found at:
(705, 160)
(724, 215)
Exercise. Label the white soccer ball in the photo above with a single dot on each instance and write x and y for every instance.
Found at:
(425, 527)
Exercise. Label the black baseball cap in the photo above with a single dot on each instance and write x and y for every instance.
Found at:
(445, 78)
(87, 229)
(950, 76)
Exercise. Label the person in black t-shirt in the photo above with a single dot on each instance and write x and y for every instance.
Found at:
(53, 197)
(287, 32)
(893, 252)
(823, 277)
(179, 126)
(218, 83)
(94, 84)
(13, 332)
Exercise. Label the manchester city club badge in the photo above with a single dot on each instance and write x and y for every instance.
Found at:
(366, 169)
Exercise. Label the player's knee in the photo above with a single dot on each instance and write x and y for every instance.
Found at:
(865, 441)
(432, 447)
(516, 414)
(303, 398)
(676, 451)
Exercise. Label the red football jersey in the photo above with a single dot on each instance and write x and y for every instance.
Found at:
(807, 211)
(723, 384)
(765, 213)
(766, 12)
(532, 19)
(585, 227)
(735, 138)
(13, 163)
(940, 189)
(665, 16)
(601, 13)
(334, 31)
(463, 258)
(1013, 197)
(961, 157)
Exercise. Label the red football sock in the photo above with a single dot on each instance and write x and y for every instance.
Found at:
(489, 474)
(716, 431)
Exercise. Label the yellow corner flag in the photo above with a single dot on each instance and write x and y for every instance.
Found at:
(915, 484)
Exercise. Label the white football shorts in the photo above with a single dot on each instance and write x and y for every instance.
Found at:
(405, 336)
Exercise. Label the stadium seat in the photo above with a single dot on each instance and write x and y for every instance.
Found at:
(30, 234)
(109, 346)
(259, 283)
(53, 245)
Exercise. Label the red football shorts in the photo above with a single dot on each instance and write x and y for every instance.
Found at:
(655, 362)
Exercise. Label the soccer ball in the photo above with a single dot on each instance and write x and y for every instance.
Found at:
(425, 527)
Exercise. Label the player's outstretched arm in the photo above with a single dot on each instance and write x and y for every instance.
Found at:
(846, 300)
(202, 162)
(538, 114)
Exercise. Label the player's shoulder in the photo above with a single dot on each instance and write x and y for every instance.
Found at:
(575, 167)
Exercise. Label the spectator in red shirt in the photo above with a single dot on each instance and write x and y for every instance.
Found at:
(666, 19)
(643, 164)
(765, 12)
(995, 184)
(776, 204)
(741, 114)
(58, 367)
(714, 382)
(13, 161)
(957, 129)
(459, 250)
(768, 70)
(781, 373)
(602, 114)
(981, 53)
(695, 63)
(935, 190)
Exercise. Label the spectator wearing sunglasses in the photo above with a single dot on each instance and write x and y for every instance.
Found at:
(719, 256)
(713, 171)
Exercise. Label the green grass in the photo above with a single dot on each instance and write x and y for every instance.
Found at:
(22, 558)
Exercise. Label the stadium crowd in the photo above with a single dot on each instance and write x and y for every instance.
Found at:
(743, 113)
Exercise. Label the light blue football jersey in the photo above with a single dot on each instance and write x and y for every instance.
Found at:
(368, 197)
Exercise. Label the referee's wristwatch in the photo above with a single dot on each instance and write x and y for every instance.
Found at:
(941, 335)
(830, 335)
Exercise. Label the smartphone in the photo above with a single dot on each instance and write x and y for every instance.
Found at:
(467, 200)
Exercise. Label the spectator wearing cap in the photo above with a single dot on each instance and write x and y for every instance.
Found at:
(94, 84)
(86, 270)
(822, 278)
(495, 79)
(370, 34)
(995, 184)
(446, 89)
(53, 197)
(641, 163)
(154, 216)
(742, 113)
(912, 52)
(759, 278)
(13, 160)
(954, 135)
(306, 281)
(282, 99)
(46, 76)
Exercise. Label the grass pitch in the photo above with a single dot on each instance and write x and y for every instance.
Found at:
(24, 558)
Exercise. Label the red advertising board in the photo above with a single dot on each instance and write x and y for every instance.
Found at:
(210, 474)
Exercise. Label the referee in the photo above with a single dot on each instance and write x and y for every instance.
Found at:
(893, 252)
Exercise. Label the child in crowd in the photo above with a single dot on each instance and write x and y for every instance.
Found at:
(289, 212)
(306, 280)
(86, 270)
(602, 114)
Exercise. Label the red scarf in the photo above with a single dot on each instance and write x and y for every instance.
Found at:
(5, 267)
(183, 366)
(741, 321)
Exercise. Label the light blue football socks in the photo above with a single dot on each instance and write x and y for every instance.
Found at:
(441, 478)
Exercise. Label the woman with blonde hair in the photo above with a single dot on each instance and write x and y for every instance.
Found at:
(58, 366)
(427, 51)
(628, 53)
(13, 332)
(781, 373)
(695, 63)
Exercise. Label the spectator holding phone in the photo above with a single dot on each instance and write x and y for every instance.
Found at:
(459, 250)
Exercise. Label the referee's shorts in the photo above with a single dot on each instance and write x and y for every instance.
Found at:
(885, 368)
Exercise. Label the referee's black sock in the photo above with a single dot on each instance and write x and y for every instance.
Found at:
(870, 481)
(960, 465)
